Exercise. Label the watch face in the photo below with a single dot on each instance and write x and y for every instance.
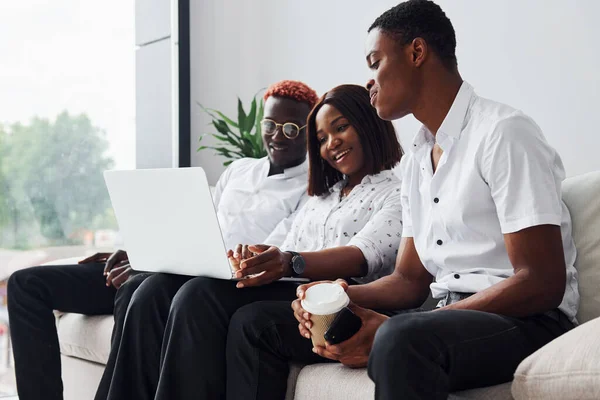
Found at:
(298, 264)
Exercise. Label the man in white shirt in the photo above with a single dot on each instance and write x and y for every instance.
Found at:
(254, 206)
(484, 228)
(256, 201)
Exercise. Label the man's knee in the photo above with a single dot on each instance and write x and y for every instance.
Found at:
(400, 337)
(144, 292)
(198, 293)
(250, 320)
(126, 291)
(20, 281)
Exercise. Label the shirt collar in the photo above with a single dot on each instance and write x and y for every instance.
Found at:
(288, 173)
(453, 122)
(378, 178)
(372, 179)
(297, 170)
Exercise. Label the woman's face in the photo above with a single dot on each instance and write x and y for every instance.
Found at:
(339, 143)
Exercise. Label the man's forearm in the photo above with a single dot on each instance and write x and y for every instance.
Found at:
(518, 296)
(392, 292)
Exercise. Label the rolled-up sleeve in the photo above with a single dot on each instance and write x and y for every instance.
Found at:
(379, 240)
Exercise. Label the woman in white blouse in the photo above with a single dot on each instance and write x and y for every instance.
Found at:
(350, 228)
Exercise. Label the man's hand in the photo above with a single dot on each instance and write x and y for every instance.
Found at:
(303, 316)
(268, 265)
(354, 352)
(119, 275)
(116, 269)
(96, 258)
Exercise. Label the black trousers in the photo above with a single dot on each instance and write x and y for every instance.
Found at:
(415, 355)
(173, 338)
(33, 294)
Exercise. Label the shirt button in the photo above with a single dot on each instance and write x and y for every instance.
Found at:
(456, 276)
(436, 200)
(439, 242)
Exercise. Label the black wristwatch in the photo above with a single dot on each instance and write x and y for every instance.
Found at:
(297, 264)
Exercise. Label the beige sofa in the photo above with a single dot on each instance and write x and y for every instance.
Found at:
(567, 368)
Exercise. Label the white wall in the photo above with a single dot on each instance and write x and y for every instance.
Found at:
(541, 56)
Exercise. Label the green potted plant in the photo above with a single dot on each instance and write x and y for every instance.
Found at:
(237, 139)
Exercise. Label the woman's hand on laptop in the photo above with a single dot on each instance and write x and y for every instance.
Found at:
(236, 257)
(268, 265)
(242, 252)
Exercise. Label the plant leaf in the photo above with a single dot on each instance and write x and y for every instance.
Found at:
(224, 129)
(245, 140)
(241, 116)
(258, 130)
(225, 118)
(251, 116)
(207, 110)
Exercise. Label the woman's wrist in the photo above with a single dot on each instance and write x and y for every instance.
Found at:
(287, 263)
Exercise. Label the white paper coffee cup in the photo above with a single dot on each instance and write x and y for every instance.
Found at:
(324, 301)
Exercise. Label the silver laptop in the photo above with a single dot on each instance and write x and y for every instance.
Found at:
(168, 221)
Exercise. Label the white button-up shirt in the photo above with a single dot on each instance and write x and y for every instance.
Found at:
(370, 218)
(497, 175)
(253, 207)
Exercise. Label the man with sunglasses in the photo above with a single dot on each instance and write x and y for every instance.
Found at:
(270, 189)
(256, 200)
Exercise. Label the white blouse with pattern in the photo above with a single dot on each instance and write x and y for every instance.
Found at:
(369, 218)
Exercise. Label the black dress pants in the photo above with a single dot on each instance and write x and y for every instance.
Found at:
(174, 335)
(415, 355)
(33, 294)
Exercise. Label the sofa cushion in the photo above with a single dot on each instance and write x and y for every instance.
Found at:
(581, 194)
(566, 368)
(334, 381)
(86, 337)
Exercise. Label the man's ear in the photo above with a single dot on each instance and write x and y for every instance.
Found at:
(419, 51)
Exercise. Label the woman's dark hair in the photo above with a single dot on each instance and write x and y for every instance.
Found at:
(377, 137)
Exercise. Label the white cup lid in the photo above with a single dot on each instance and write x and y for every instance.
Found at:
(325, 298)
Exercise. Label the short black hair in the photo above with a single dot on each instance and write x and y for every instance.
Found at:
(421, 18)
(378, 137)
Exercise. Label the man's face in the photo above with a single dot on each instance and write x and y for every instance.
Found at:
(285, 152)
(395, 81)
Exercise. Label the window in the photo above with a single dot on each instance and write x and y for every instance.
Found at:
(67, 113)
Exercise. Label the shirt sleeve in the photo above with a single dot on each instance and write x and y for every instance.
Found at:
(405, 175)
(524, 174)
(284, 227)
(379, 240)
